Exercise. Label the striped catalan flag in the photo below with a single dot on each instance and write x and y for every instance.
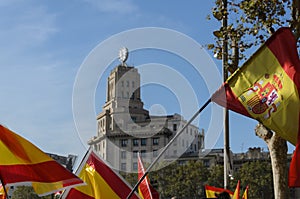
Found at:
(267, 89)
(22, 163)
(211, 191)
(146, 191)
(101, 181)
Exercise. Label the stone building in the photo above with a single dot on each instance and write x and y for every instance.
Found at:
(125, 128)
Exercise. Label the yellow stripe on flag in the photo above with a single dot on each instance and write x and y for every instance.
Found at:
(99, 188)
(101, 181)
(211, 191)
(267, 86)
(236, 194)
(245, 195)
(17, 150)
(269, 82)
(22, 163)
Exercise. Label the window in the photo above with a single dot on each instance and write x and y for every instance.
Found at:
(132, 84)
(155, 141)
(123, 166)
(123, 154)
(135, 154)
(143, 153)
(132, 96)
(135, 166)
(143, 142)
(133, 119)
(127, 83)
(175, 143)
(135, 142)
(154, 153)
(124, 142)
(122, 83)
(174, 127)
(206, 163)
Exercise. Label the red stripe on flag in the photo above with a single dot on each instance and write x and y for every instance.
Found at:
(287, 57)
(112, 179)
(11, 140)
(224, 96)
(217, 189)
(289, 60)
(45, 172)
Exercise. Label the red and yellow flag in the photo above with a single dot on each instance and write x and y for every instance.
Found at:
(101, 181)
(2, 193)
(146, 191)
(22, 163)
(211, 192)
(267, 89)
(245, 195)
(236, 194)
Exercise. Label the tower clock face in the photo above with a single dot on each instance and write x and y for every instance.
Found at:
(123, 54)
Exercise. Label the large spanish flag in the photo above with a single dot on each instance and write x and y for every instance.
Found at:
(146, 191)
(267, 89)
(101, 181)
(211, 192)
(22, 163)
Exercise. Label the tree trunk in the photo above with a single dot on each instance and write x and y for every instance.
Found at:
(278, 152)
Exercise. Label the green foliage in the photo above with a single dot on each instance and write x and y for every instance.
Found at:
(216, 176)
(181, 180)
(258, 175)
(187, 180)
(250, 23)
(131, 178)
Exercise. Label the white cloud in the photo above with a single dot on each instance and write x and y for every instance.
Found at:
(114, 6)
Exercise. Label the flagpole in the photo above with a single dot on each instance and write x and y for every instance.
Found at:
(226, 113)
(167, 146)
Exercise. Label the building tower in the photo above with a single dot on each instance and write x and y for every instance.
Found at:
(126, 128)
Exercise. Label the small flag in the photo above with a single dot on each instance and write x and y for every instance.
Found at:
(146, 191)
(236, 194)
(101, 181)
(245, 195)
(267, 88)
(211, 192)
(2, 193)
(22, 163)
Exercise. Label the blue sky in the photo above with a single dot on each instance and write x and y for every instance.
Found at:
(44, 43)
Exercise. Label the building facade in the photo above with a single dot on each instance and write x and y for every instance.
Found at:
(125, 128)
